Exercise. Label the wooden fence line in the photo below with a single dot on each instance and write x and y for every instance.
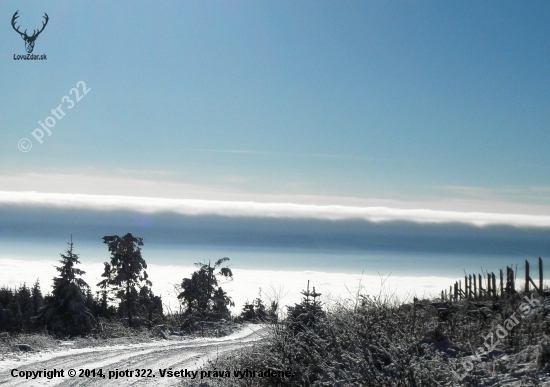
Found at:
(474, 285)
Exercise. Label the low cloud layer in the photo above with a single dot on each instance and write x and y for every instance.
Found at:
(196, 207)
(53, 217)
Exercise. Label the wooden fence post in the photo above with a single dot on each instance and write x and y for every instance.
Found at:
(456, 291)
(480, 279)
(541, 288)
(501, 284)
(508, 283)
(527, 277)
(510, 286)
(512, 280)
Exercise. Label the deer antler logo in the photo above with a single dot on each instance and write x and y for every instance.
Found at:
(29, 40)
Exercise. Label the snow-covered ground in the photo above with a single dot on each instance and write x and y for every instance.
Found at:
(178, 353)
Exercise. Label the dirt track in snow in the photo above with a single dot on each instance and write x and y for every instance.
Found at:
(181, 354)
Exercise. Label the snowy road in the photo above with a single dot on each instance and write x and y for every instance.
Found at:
(178, 354)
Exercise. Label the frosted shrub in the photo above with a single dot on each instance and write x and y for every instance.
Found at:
(375, 341)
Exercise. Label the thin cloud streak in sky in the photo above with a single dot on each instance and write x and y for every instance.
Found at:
(282, 154)
(197, 207)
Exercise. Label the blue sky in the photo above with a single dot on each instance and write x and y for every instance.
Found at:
(420, 106)
(406, 100)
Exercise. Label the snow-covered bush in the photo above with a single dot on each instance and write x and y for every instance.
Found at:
(377, 341)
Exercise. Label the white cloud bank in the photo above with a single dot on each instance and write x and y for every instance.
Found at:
(289, 284)
(198, 207)
(245, 284)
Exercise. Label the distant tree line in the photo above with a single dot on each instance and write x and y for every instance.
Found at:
(125, 294)
(71, 308)
(18, 306)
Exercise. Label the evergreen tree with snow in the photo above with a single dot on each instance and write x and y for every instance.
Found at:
(7, 305)
(306, 314)
(65, 312)
(102, 304)
(24, 298)
(36, 297)
(257, 310)
(201, 293)
(125, 272)
(150, 305)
